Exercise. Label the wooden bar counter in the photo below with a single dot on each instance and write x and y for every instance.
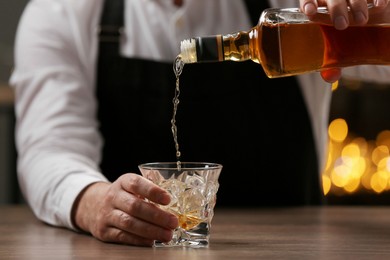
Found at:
(329, 232)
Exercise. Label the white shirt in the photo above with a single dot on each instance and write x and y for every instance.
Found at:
(59, 146)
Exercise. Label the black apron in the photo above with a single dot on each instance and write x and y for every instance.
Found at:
(229, 113)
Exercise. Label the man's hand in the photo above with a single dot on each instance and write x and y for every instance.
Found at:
(118, 213)
(338, 10)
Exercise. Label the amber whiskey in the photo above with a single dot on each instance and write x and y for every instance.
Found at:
(189, 221)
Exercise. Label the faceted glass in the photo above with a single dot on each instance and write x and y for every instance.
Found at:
(193, 187)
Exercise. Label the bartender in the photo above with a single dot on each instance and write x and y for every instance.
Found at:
(94, 87)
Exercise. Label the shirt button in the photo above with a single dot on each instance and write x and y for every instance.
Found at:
(180, 22)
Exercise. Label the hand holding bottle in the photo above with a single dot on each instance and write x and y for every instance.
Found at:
(338, 10)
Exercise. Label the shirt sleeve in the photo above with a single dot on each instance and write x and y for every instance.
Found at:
(379, 74)
(57, 136)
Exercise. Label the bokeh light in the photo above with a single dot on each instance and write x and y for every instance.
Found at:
(354, 163)
(338, 130)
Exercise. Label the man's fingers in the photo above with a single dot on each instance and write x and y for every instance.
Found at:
(342, 12)
(146, 211)
(136, 184)
(331, 75)
(115, 235)
(132, 225)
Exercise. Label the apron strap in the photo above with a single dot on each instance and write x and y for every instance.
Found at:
(111, 24)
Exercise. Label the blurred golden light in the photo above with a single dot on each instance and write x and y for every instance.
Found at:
(351, 150)
(379, 181)
(379, 153)
(326, 184)
(366, 179)
(329, 157)
(384, 164)
(354, 163)
(340, 175)
(383, 138)
(352, 185)
(362, 144)
(388, 164)
(338, 130)
(360, 167)
(335, 85)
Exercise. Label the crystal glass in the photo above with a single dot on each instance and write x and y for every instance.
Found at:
(193, 187)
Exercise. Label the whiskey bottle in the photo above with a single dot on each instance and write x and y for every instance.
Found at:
(286, 42)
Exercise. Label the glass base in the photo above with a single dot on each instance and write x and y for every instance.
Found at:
(192, 244)
(183, 238)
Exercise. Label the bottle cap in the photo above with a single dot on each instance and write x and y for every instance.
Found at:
(188, 51)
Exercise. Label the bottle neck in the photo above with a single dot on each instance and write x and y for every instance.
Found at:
(216, 48)
(237, 46)
(210, 49)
